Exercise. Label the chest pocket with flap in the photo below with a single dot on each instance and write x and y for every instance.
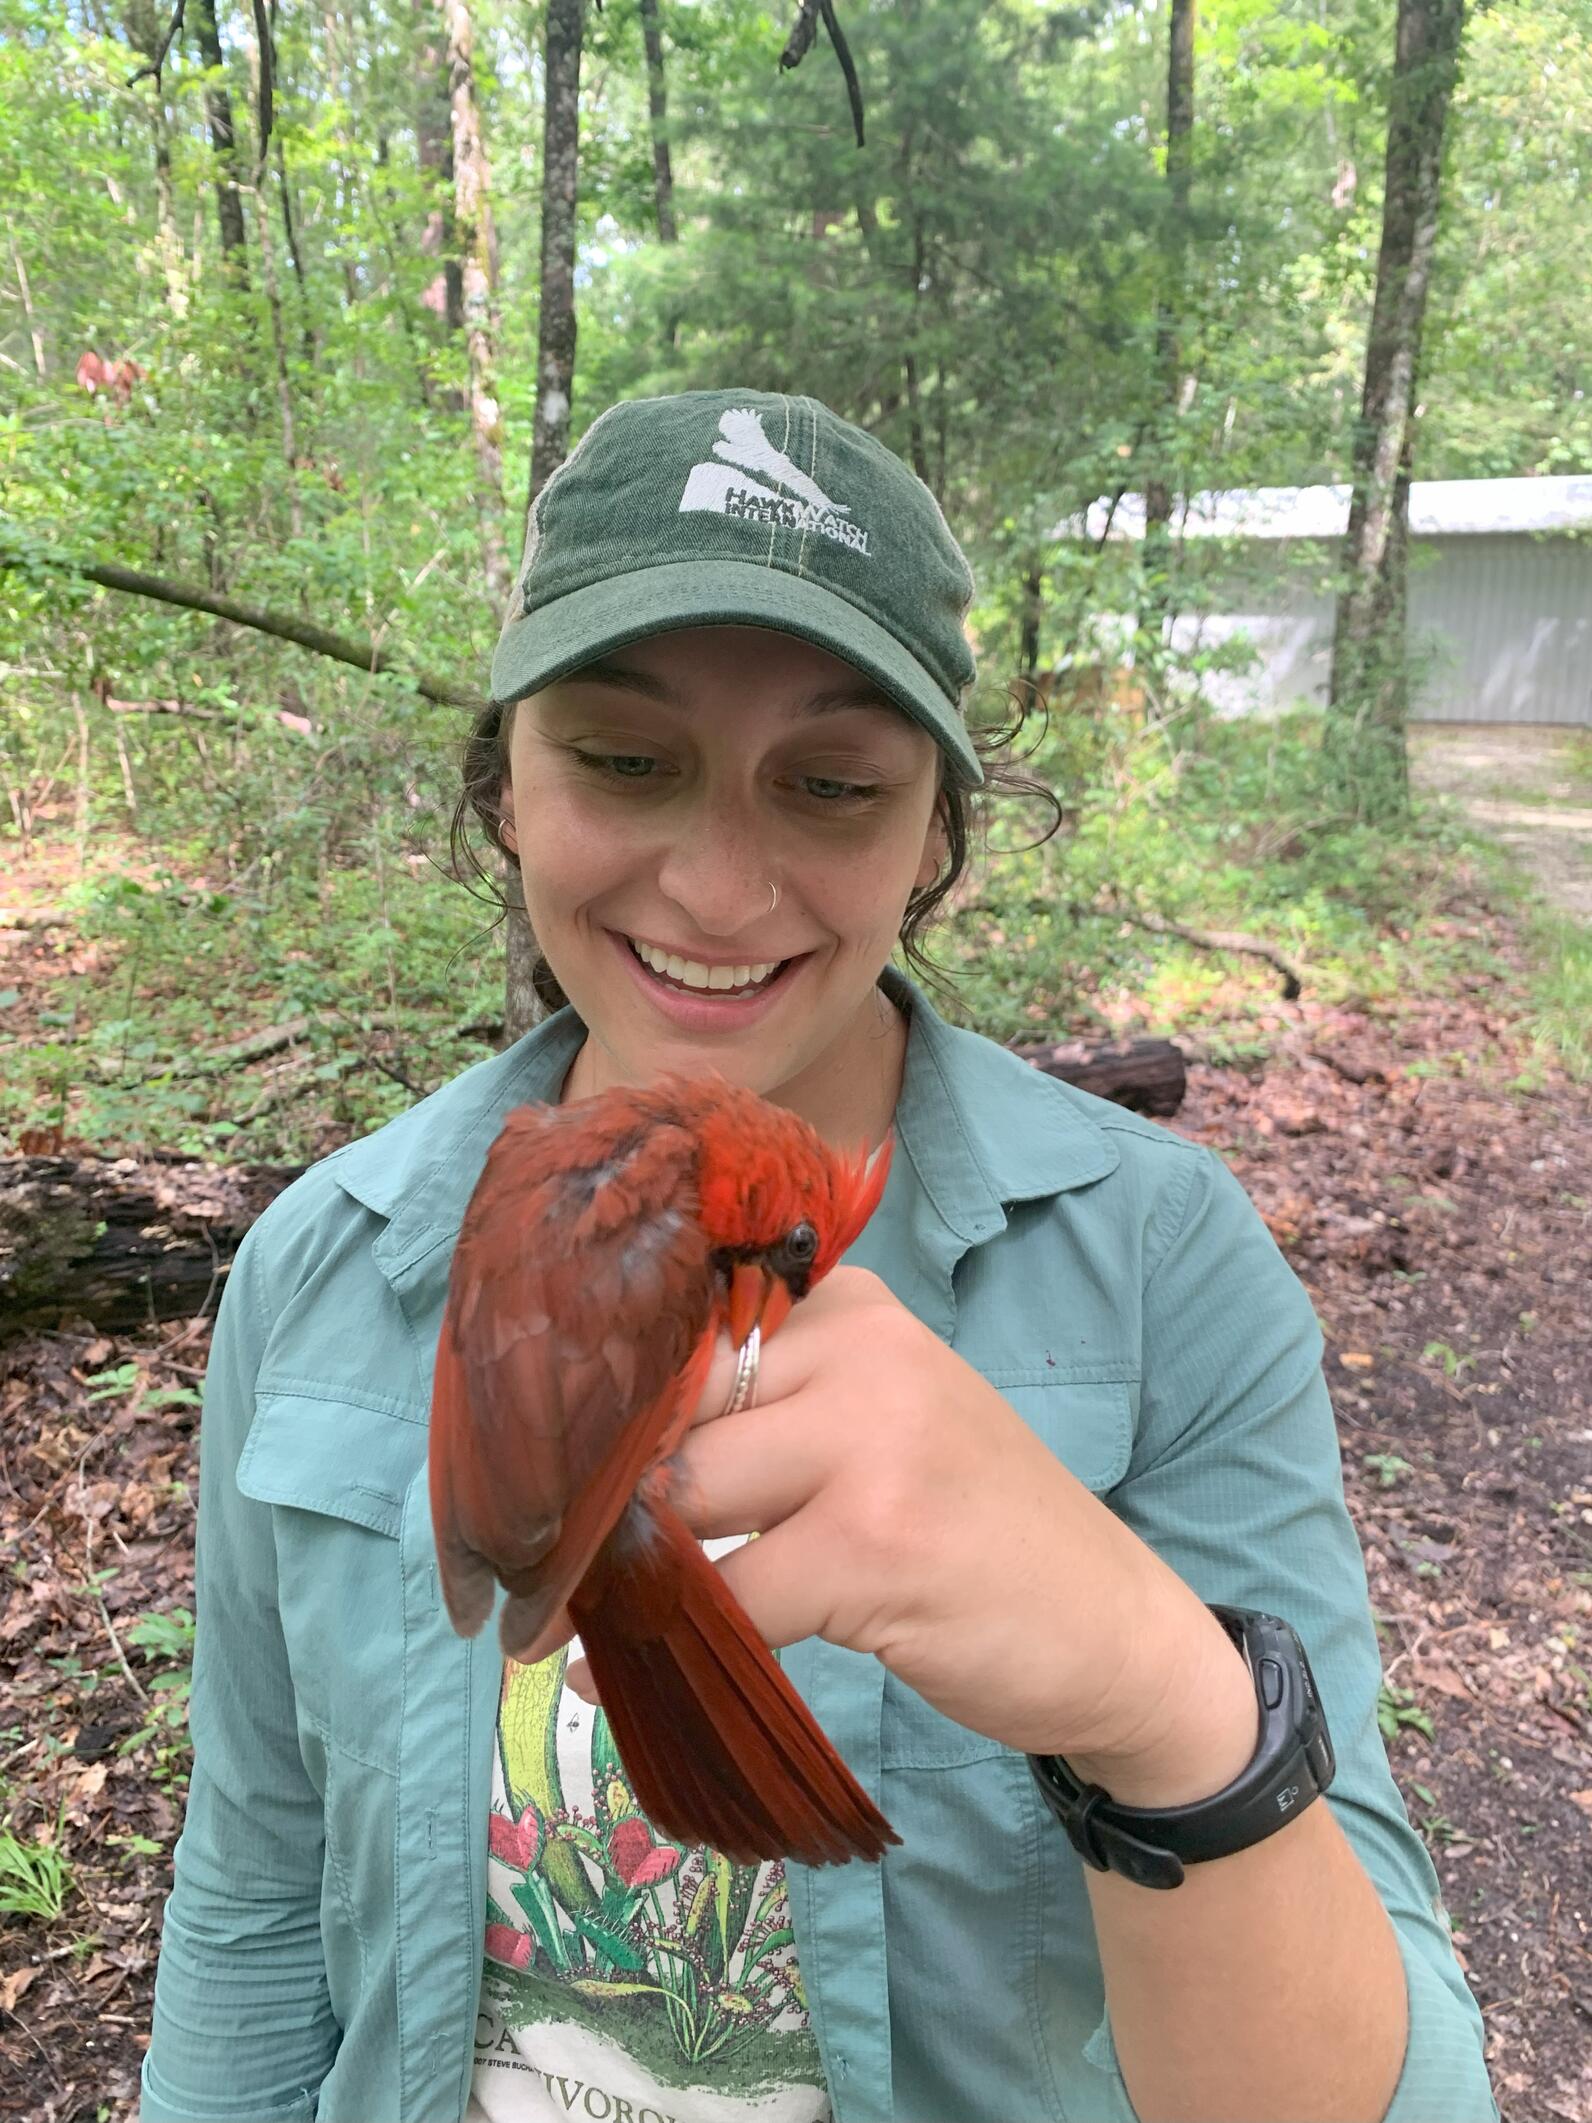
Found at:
(335, 1473)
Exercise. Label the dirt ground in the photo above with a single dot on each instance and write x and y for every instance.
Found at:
(1438, 1214)
(1529, 785)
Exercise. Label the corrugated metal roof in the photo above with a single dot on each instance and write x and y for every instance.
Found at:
(1439, 508)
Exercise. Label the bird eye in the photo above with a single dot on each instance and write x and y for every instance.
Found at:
(801, 1244)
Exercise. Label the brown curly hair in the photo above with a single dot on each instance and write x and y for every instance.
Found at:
(966, 814)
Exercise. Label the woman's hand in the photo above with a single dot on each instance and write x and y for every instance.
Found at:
(905, 1509)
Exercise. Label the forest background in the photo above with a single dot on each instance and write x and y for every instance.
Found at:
(272, 403)
(304, 378)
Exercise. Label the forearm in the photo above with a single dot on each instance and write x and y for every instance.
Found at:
(1269, 1985)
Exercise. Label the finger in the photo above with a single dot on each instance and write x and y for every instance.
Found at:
(783, 1360)
(780, 1583)
(747, 1472)
(577, 1675)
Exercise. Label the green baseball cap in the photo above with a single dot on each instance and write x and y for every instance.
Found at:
(748, 508)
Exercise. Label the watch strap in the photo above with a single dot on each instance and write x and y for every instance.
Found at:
(1292, 1764)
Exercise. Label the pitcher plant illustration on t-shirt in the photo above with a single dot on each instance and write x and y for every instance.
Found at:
(679, 1957)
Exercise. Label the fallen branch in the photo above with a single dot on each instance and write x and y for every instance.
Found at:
(1294, 974)
(32, 918)
(136, 1684)
(123, 1242)
(165, 707)
(288, 1085)
(187, 596)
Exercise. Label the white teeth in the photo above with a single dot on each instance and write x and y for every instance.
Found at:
(692, 974)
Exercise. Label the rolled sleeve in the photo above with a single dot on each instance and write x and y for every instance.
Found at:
(243, 2025)
(1237, 1484)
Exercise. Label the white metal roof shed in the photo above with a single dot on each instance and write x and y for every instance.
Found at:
(1439, 508)
(1500, 592)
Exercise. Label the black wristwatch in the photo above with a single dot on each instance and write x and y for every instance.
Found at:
(1293, 1763)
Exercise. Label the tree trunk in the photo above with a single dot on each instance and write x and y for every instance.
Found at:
(909, 363)
(273, 299)
(555, 351)
(555, 380)
(40, 365)
(434, 150)
(290, 230)
(658, 114)
(218, 109)
(144, 34)
(471, 216)
(1157, 602)
(1033, 612)
(875, 244)
(1363, 743)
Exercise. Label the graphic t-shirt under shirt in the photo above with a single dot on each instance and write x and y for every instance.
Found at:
(628, 1979)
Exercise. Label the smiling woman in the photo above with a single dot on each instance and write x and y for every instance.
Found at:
(852, 781)
(712, 804)
(1034, 1471)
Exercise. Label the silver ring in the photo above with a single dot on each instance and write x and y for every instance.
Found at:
(746, 1360)
(774, 900)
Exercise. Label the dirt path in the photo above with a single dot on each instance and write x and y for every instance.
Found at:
(1529, 785)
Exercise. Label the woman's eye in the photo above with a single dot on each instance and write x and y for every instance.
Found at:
(626, 766)
(827, 790)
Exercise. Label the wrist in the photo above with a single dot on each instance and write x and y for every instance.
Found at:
(1199, 1724)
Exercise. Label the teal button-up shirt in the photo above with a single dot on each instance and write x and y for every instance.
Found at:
(323, 1940)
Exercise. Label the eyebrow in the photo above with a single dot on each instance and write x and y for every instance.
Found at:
(858, 693)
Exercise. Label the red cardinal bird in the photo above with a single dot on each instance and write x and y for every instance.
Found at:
(605, 1245)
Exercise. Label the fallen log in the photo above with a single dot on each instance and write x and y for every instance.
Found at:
(119, 1242)
(1146, 1075)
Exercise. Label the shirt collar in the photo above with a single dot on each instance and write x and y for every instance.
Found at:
(983, 1129)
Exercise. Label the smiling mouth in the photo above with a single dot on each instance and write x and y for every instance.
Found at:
(692, 977)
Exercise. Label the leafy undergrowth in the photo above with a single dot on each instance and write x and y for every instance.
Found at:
(267, 1015)
(1228, 839)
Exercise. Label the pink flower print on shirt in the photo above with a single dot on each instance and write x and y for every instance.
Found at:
(638, 1860)
(511, 1947)
(517, 1843)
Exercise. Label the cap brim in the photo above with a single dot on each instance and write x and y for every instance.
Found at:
(558, 638)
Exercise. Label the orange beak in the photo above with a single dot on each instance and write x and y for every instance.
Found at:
(757, 1298)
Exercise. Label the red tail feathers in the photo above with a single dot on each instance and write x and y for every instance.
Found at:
(719, 1747)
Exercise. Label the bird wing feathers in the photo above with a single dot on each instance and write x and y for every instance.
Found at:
(581, 1291)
